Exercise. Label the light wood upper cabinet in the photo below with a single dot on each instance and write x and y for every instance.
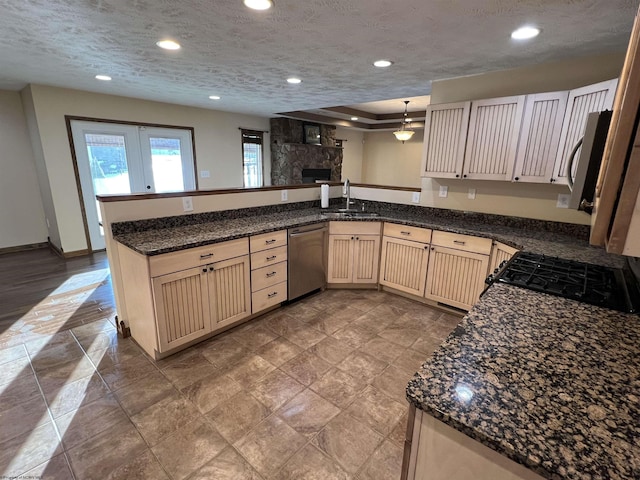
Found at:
(445, 136)
(582, 101)
(540, 137)
(494, 127)
(354, 252)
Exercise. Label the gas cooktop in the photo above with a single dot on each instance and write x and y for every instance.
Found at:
(594, 284)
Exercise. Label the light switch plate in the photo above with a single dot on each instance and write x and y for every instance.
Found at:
(204, 174)
(472, 194)
(444, 191)
(187, 204)
(415, 198)
(284, 195)
(563, 200)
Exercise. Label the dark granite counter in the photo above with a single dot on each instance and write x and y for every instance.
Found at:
(563, 242)
(551, 383)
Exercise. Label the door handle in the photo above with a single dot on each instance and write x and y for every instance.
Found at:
(208, 255)
(271, 274)
(272, 257)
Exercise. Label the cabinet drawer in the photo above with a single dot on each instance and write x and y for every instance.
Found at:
(355, 228)
(462, 242)
(408, 233)
(268, 276)
(268, 297)
(193, 257)
(268, 240)
(268, 257)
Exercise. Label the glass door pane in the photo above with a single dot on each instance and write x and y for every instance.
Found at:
(166, 164)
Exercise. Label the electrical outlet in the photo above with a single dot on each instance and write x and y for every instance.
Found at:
(284, 195)
(472, 194)
(204, 174)
(444, 191)
(563, 200)
(415, 198)
(187, 204)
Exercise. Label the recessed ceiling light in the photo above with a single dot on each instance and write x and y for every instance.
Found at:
(259, 4)
(214, 97)
(382, 63)
(524, 33)
(168, 45)
(294, 80)
(105, 78)
(354, 118)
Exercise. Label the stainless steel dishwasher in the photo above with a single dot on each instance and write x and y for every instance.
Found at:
(307, 259)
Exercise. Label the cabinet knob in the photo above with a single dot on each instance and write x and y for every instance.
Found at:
(464, 176)
(457, 175)
(211, 269)
(433, 248)
(204, 270)
(352, 238)
(148, 187)
(357, 238)
(516, 178)
(552, 180)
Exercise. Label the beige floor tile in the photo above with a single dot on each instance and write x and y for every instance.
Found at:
(104, 453)
(76, 394)
(306, 368)
(376, 410)
(188, 370)
(348, 441)
(23, 417)
(92, 418)
(125, 373)
(338, 387)
(14, 393)
(382, 349)
(281, 323)
(268, 446)
(235, 417)
(164, 417)
(189, 448)
(12, 353)
(14, 369)
(211, 391)
(305, 336)
(254, 338)
(110, 347)
(142, 467)
(354, 335)
(311, 464)
(331, 321)
(275, 389)
(410, 361)
(301, 311)
(52, 356)
(307, 412)
(393, 382)
(363, 365)
(94, 328)
(34, 347)
(27, 451)
(426, 345)
(228, 465)
(401, 335)
(250, 370)
(399, 432)
(278, 351)
(56, 377)
(144, 392)
(56, 468)
(331, 350)
(385, 463)
(223, 351)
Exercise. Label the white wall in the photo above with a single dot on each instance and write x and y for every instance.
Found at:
(387, 161)
(22, 220)
(217, 144)
(351, 153)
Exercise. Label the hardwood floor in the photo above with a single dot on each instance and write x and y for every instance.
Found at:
(41, 294)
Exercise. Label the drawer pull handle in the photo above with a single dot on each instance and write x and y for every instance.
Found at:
(272, 257)
(405, 233)
(459, 242)
(269, 275)
(269, 242)
(208, 255)
(271, 295)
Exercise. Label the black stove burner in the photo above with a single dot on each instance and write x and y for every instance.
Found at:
(593, 284)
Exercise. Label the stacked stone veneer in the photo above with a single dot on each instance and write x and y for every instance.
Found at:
(289, 155)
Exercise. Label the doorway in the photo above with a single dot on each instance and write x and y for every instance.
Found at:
(121, 159)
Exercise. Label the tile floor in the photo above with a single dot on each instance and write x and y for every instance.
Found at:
(314, 390)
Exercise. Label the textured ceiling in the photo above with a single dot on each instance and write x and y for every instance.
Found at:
(245, 56)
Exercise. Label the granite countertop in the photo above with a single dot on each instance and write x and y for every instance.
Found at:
(163, 240)
(551, 383)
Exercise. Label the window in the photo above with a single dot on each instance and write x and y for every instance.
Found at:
(252, 158)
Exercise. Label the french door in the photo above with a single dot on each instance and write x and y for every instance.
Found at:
(121, 159)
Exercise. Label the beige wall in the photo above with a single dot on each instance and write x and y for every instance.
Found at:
(22, 219)
(386, 161)
(217, 143)
(352, 153)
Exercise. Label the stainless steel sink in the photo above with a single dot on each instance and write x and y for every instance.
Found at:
(344, 213)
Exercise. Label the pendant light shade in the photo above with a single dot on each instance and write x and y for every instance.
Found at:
(404, 133)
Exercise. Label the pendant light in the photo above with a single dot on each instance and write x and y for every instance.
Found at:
(404, 134)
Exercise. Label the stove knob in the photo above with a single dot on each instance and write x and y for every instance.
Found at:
(496, 270)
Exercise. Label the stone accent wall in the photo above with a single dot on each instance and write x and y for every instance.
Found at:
(289, 155)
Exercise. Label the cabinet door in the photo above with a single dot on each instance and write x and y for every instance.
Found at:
(494, 127)
(456, 277)
(340, 268)
(582, 101)
(540, 136)
(445, 135)
(229, 291)
(499, 253)
(403, 265)
(182, 307)
(366, 258)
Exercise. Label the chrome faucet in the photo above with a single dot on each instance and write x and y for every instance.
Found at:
(346, 190)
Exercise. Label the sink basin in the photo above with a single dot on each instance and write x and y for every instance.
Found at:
(343, 213)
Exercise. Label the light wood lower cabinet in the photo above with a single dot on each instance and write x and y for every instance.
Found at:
(500, 252)
(403, 265)
(354, 252)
